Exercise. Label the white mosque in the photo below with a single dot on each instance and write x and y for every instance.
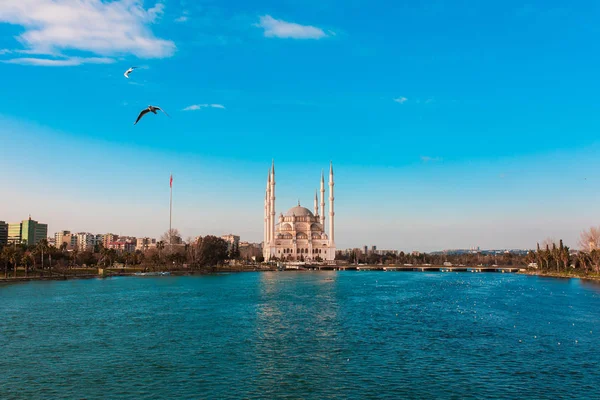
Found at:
(299, 234)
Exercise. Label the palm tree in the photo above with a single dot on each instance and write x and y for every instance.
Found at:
(139, 256)
(40, 248)
(556, 256)
(74, 255)
(563, 255)
(13, 260)
(160, 246)
(8, 254)
(546, 256)
(104, 255)
(585, 260)
(26, 261)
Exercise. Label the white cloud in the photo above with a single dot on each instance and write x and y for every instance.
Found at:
(5, 51)
(400, 100)
(183, 17)
(430, 159)
(283, 29)
(57, 27)
(64, 62)
(195, 107)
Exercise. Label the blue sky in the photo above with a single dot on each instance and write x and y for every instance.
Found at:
(449, 123)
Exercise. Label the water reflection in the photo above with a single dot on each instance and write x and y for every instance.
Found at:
(296, 326)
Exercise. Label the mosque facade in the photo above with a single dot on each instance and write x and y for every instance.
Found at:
(299, 234)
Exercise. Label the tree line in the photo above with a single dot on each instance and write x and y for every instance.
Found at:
(172, 252)
(551, 256)
(43, 259)
(557, 258)
(466, 259)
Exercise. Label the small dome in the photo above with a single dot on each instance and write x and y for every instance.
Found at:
(299, 211)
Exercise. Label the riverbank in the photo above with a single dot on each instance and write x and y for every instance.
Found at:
(101, 273)
(563, 275)
(91, 273)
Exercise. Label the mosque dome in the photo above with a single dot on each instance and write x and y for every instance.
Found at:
(299, 211)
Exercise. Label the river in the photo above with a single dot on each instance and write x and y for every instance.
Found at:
(290, 335)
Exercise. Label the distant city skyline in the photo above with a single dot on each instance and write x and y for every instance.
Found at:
(450, 126)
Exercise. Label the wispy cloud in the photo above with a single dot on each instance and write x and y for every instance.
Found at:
(184, 17)
(283, 29)
(5, 51)
(427, 159)
(57, 27)
(401, 100)
(426, 101)
(195, 107)
(63, 62)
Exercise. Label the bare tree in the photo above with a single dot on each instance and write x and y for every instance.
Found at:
(590, 239)
(548, 242)
(192, 245)
(171, 236)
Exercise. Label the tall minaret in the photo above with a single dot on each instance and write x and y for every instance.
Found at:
(266, 218)
(272, 226)
(331, 212)
(322, 200)
(316, 204)
(268, 209)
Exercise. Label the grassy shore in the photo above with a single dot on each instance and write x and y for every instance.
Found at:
(87, 273)
(570, 274)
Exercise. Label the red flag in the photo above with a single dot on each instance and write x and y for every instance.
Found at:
(171, 181)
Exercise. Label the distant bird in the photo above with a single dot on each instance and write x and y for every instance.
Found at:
(151, 109)
(130, 70)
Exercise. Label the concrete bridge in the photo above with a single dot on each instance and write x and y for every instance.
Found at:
(454, 269)
(420, 268)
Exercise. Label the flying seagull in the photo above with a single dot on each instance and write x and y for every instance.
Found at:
(130, 70)
(151, 109)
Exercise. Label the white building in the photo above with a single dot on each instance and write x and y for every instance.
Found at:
(232, 241)
(65, 237)
(123, 245)
(87, 241)
(145, 243)
(299, 234)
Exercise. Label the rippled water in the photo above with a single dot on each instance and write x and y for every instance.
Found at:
(302, 335)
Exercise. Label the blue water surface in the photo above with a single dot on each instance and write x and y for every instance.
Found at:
(320, 335)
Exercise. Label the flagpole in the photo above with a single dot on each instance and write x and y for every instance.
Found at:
(170, 211)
